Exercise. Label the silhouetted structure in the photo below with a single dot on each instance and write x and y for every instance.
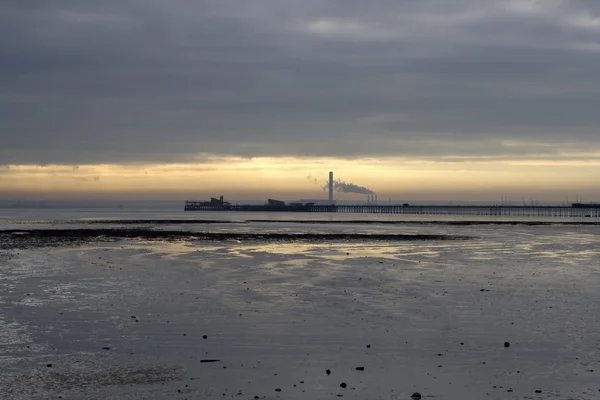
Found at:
(585, 205)
(575, 210)
(221, 205)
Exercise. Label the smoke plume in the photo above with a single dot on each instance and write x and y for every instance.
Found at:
(312, 179)
(343, 187)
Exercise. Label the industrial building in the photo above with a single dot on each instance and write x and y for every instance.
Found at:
(372, 206)
(271, 205)
(213, 202)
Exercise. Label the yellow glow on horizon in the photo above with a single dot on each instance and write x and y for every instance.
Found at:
(287, 176)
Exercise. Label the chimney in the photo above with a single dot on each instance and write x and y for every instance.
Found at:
(331, 186)
(221, 198)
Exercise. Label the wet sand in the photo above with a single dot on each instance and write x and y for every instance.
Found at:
(152, 316)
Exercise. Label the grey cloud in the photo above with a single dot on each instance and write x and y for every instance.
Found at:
(153, 81)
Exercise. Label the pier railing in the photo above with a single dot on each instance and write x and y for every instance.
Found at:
(535, 211)
(501, 210)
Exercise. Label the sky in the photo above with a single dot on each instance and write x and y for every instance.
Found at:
(413, 99)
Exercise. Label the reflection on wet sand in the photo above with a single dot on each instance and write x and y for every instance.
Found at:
(131, 318)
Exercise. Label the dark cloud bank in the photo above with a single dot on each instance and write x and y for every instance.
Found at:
(128, 81)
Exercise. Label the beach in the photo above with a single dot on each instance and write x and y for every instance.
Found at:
(153, 309)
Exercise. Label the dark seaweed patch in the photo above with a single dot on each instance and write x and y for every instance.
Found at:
(23, 239)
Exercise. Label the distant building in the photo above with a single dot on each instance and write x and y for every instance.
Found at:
(220, 202)
(278, 203)
(318, 202)
(216, 202)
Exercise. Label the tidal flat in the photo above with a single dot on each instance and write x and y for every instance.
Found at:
(242, 311)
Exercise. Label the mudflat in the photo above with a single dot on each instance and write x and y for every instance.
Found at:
(449, 312)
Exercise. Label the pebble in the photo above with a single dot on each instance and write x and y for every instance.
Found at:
(343, 385)
(328, 372)
(360, 368)
(416, 396)
(506, 344)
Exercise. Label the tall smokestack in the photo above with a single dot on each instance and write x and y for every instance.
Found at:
(331, 186)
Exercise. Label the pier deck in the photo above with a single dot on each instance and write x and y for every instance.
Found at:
(501, 210)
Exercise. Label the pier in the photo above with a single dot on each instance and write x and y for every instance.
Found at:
(592, 211)
(500, 211)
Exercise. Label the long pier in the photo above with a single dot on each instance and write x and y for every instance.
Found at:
(500, 211)
(494, 210)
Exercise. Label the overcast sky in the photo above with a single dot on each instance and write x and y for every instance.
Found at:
(182, 81)
(161, 81)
